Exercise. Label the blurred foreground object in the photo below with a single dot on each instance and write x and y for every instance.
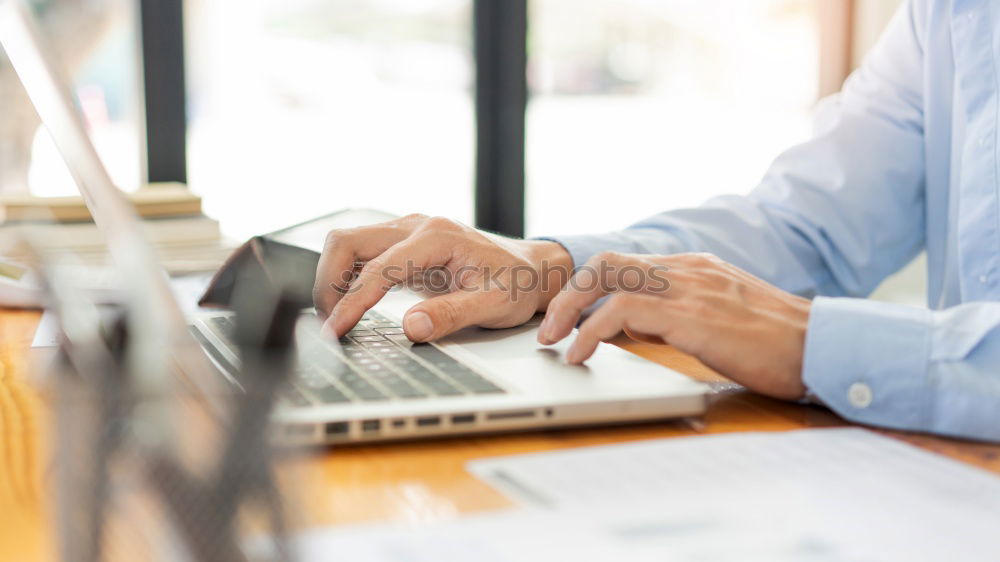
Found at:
(141, 414)
(20, 286)
(123, 492)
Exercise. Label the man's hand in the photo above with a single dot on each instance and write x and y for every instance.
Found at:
(735, 323)
(473, 278)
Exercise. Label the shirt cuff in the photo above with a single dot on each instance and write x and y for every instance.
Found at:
(583, 247)
(868, 361)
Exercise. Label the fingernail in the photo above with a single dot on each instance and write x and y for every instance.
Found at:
(418, 326)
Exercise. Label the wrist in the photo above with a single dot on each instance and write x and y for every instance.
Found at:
(554, 265)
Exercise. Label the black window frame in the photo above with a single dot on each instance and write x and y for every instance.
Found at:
(161, 28)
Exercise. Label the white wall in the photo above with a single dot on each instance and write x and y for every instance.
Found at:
(871, 17)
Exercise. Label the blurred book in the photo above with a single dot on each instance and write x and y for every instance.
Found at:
(184, 239)
(157, 200)
(182, 244)
(86, 235)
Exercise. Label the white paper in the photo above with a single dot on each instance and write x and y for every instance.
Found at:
(528, 535)
(812, 495)
(849, 491)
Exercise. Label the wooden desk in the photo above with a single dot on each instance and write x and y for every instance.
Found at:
(416, 481)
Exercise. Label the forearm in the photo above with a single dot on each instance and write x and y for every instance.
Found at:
(740, 230)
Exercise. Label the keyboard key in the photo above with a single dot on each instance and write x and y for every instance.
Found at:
(377, 367)
(431, 380)
(294, 396)
(373, 316)
(366, 339)
(476, 383)
(360, 387)
(400, 340)
(431, 354)
(312, 380)
(459, 373)
(397, 385)
(328, 394)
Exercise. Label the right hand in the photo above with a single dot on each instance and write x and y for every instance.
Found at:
(479, 279)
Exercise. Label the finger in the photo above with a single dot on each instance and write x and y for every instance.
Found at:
(601, 275)
(343, 249)
(632, 311)
(396, 265)
(439, 316)
(565, 309)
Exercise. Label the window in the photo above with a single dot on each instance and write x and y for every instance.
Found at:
(639, 106)
(302, 107)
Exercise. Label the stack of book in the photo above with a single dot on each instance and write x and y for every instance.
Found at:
(184, 238)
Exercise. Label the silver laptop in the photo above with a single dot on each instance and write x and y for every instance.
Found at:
(374, 384)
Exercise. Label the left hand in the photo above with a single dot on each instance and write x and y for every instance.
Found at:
(737, 324)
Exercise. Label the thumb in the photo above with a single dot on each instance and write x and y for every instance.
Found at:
(439, 316)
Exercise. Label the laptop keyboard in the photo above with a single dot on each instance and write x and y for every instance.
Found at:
(376, 363)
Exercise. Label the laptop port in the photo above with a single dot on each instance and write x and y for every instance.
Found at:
(463, 418)
(371, 425)
(398, 423)
(337, 428)
(514, 414)
(428, 421)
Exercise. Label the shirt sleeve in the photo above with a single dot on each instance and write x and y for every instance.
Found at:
(908, 368)
(832, 216)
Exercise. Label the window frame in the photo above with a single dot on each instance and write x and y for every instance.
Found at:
(164, 90)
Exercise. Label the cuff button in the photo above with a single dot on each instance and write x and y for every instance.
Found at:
(860, 395)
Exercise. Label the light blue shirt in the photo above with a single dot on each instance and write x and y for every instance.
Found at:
(904, 159)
